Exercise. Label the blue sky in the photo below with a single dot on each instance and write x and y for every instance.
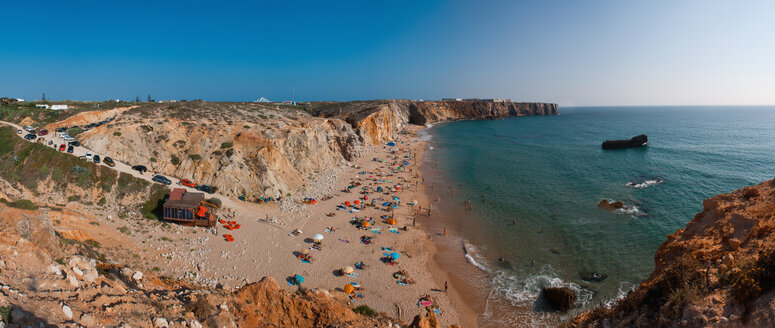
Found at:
(657, 52)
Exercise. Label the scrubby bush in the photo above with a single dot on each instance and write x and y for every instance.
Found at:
(195, 157)
(215, 201)
(364, 310)
(174, 160)
(226, 145)
(117, 134)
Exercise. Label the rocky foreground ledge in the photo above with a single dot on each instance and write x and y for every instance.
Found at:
(719, 271)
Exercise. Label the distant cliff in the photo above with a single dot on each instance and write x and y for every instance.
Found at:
(257, 149)
(718, 271)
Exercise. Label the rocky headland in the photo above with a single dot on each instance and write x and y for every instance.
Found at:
(718, 271)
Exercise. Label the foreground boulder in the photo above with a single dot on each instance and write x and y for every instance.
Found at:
(636, 141)
(559, 298)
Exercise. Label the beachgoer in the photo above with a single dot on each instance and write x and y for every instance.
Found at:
(533, 262)
(445, 286)
(514, 222)
(445, 231)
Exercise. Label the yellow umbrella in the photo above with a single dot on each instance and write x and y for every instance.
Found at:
(349, 288)
(348, 269)
(391, 221)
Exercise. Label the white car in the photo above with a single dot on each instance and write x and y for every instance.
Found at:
(88, 156)
(19, 132)
(68, 138)
(29, 128)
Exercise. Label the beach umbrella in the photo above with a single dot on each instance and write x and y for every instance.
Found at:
(317, 237)
(349, 288)
(391, 221)
(348, 269)
(395, 255)
(299, 278)
(347, 203)
(366, 224)
(357, 202)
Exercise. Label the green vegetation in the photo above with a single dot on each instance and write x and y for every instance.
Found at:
(152, 209)
(195, 157)
(73, 198)
(364, 310)
(230, 152)
(95, 223)
(146, 128)
(217, 153)
(74, 131)
(117, 134)
(5, 315)
(23, 204)
(215, 201)
(226, 145)
(124, 230)
(156, 269)
(174, 160)
(128, 185)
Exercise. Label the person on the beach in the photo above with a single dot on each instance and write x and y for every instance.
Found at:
(445, 286)
(445, 231)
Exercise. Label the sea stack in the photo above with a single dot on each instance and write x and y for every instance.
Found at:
(636, 141)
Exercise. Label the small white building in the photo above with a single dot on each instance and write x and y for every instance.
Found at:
(41, 106)
(58, 107)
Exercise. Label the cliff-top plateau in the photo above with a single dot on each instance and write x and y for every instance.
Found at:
(255, 149)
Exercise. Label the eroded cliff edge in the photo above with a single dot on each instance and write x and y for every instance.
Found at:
(718, 271)
(255, 149)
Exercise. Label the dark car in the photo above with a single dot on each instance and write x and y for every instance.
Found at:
(43, 132)
(207, 188)
(74, 143)
(62, 147)
(96, 159)
(140, 168)
(30, 136)
(70, 149)
(61, 130)
(161, 179)
(109, 162)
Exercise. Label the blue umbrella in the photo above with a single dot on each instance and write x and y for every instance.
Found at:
(299, 278)
(395, 255)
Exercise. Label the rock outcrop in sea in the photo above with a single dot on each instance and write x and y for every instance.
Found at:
(636, 141)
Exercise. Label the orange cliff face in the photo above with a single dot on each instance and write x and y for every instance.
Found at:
(717, 271)
(270, 150)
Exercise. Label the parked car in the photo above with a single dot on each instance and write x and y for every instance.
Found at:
(88, 156)
(207, 188)
(19, 132)
(29, 128)
(68, 138)
(30, 136)
(70, 149)
(140, 168)
(62, 129)
(161, 179)
(43, 132)
(109, 162)
(188, 183)
(62, 147)
(96, 159)
(75, 143)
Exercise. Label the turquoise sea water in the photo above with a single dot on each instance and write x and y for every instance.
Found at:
(547, 174)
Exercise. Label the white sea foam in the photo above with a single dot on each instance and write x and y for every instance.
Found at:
(472, 256)
(527, 290)
(624, 289)
(644, 184)
(629, 209)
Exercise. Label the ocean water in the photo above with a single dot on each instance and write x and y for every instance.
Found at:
(534, 184)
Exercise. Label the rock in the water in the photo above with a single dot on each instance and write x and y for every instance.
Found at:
(67, 312)
(636, 141)
(559, 298)
(592, 276)
(611, 206)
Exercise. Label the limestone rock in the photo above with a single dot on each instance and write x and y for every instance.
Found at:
(160, 323)
(137, 276)
(87, 320)
(67, 312)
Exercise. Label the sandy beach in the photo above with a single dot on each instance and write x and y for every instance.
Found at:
(265, 246)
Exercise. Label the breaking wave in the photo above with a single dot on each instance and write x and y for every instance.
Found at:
(643, 183)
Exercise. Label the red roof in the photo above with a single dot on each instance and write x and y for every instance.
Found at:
(177, 194)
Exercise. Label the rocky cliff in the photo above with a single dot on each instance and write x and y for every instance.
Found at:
(271, 150)
(719, 271)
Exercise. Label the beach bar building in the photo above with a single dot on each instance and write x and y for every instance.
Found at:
(189, 208)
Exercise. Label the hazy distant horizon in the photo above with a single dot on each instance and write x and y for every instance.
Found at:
(574, 53)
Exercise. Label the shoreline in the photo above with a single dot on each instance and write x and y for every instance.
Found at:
(263, 246)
